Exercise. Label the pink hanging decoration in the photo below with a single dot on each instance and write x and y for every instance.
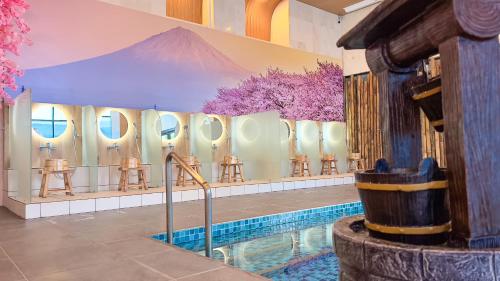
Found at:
(13, 30)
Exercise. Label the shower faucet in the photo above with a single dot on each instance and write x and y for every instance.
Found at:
(114, 146)
(49, 146)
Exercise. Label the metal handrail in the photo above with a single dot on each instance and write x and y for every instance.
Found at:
(208, 200)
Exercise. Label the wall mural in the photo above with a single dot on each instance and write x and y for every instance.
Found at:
(124, 58)
(315, 95)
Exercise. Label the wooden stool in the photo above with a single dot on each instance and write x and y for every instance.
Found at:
(356, 162)
(55, 166)
(300, 164)
(231, 169)
(329, 165)
(126, 165)
(181, 173)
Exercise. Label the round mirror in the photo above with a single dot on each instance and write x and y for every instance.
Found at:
(216, 128)
(170, 127)
(284, 131)
(113, 124)
(49, 122)
(250, 130)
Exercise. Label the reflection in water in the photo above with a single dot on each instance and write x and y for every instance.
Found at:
(269, 253)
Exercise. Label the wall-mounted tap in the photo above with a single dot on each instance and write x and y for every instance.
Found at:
(50, 147)
(214, 147)
(171, 146)
(114, 146)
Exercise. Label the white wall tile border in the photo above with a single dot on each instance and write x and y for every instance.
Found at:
(37, 210)
(152, 199)
(265, 187)
(251, 189)
(288, 185)
(82, 206)
(32, 211)
(237, 190)
(130, 201)
(109, 203)
(223, 191)
(54, 209)
(277, 186)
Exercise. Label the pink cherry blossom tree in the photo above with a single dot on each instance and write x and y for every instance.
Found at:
(315, 95)
(13, 30)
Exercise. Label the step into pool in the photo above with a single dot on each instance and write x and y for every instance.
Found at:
(287, 246)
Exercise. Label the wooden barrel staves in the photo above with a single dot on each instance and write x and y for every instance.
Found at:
(428, 97)
(403, 205)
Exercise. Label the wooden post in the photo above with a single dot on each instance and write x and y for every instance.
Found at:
(471, 107)
(399, 120)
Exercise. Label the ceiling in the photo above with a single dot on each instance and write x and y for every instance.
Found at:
(332, 6)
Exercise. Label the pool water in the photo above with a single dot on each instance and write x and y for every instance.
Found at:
(288, 246)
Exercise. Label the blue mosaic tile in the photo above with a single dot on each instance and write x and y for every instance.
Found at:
(288, 246)
(347, 209)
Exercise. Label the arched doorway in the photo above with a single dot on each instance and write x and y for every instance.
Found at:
(259, 14)
(197, 11)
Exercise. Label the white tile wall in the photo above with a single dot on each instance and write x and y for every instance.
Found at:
(152, 199)
(348, 180)
(127, 201)
(223, 191)
(130, 201)
(54, 209)
(266, 187)
(109, 203)
(103, 176)
(310, 183)
(82, 206)
(277, 186)
(189, 195)
(300, 184)
(339, 181)
(330, 182)
(251, 189)
(288, 185)
(32, 211)
(321, 182)
(237, 190)
(176, 196)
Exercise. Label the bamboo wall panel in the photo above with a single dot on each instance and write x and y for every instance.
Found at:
(363, 130)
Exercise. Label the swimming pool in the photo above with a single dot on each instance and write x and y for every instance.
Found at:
(287, 246)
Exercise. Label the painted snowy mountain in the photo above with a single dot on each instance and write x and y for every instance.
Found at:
(175, 70)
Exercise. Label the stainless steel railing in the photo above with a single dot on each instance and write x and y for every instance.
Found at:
(170, 207)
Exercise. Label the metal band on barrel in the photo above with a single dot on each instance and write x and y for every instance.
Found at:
(407, 230)
(411, 187)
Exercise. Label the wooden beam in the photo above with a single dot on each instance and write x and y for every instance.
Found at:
(471, 107)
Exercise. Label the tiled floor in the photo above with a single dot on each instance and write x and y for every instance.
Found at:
(112, 245)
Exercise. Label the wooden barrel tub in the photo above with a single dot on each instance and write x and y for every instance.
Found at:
(403, 205)
(428, 97)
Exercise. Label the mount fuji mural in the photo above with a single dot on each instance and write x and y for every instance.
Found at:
(176, 70)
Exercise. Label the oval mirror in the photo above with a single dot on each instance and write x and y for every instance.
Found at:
(113, 124)
(284, 131)
(49, 122)
(170, 127)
